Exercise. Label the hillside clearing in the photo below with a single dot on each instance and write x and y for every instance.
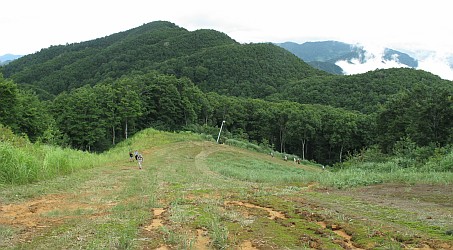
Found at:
(201, 195)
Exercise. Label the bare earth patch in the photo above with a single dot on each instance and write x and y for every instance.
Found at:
(48, 211)
(272, 213)
(39, 212)
(247, 245)
(157, 219)
(340, 232)
(202, 242)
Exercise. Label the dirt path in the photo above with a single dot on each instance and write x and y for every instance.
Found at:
(180, 200)
(91, 200)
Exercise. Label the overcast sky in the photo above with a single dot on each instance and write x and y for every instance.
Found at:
(30, 25)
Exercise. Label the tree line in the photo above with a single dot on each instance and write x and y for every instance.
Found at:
(94, 118)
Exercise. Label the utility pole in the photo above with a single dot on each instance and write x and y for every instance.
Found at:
(221, 126)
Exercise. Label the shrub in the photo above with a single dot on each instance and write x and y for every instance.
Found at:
(442, 160)
(7, 135)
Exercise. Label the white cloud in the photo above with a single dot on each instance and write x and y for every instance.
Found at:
(373, 59)
(437, 64)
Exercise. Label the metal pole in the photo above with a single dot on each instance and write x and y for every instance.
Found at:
(221, 126)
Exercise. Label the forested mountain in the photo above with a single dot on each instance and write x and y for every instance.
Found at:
(210, 58)
(362, 92)
(65, 67)
(159, 75)
(252, 70)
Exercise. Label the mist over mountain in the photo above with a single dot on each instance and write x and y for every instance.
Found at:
(343, 58)
(325, 54)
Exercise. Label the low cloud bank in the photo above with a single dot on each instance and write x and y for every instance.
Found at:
(437, 63)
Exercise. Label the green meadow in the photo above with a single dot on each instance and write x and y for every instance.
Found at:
(196, 194)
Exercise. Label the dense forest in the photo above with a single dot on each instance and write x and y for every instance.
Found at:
(93, 94)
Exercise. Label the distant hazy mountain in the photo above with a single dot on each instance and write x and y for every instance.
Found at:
(333, 56)
(8, 58)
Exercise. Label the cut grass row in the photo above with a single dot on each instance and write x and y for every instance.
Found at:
(256, 170)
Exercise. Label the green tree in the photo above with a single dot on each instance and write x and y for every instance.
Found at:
(81, 115)
(126, 101)
(282, 117)
(423, 114)
(304, 122)
(8, 100)
(31, 115)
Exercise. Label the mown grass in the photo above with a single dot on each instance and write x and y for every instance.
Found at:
(26, 163)
(251, 169)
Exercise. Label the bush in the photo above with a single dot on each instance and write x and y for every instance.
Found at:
(7, 135)
(442, 160)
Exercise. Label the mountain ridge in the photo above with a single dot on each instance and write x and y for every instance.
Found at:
(208, 57)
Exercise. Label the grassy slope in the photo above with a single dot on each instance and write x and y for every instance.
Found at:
(201, 195)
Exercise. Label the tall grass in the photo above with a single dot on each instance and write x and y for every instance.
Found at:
(35, 162)
(362, 177)
(22, 162)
